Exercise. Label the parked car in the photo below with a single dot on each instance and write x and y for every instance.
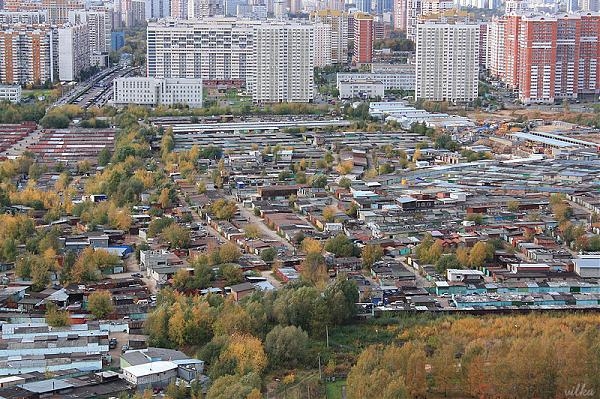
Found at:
(112, 343)
(124, 348)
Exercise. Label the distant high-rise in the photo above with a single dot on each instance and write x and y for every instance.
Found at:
(156, 9)
(447, 61)
(205, 8)
(74, 51)
(28, 54)
(322, 44)
(548, 57)
(284, 63)
(58, 10)
(99, 28)
(363, 39)
(400, 14)
(338, 21)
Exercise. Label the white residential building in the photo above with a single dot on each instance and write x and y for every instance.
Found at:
(10, 93)
(73, 51)
(447, 61)
(158, 9)
(210, 49)
(322, 44)
(11, 18)
(99, 28)
(284, 62)
(495, 47)
(153, 91)
(338, 21)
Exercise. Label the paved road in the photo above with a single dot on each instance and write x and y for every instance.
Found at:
(20, 146)
(266, 232)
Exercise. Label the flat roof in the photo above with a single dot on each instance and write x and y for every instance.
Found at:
(142, 370)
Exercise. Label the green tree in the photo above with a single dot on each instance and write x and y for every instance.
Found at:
(55, 317)
(177, 236)
(100, 304)
(286, 346)
(268, 255)
(341, 246)
(232, 274)
(371, 254)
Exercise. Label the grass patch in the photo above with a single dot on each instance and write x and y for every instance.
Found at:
(334, 389)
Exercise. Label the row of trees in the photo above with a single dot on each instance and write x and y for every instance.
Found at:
(534, 356)
(241, 342)
(431, 251)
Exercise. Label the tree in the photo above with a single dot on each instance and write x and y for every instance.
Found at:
(232, 274)
(341, 246)
(104, 157)
(55, 317)
(319, 181)
(177, 236)
(100, 304)
(268, 255)
(329, 213)
(478, 254)
(234, 387)
(229, 252)
(447, 261)
(345, 182)
(222, 209)
(462, 256)
(164, 198)
(313, 268)
(247, 352)
(345, 167)
(370, 254)
(310, 245)
(513, 205)
(286, 346)
(252, 231)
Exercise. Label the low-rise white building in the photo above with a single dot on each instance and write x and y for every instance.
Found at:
(587, 266)
(399, 80)
(10, 93)
(154, 91)
(461, 275)
(360, 89)
(151, 375)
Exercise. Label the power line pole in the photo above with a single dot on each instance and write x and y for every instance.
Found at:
(320, 376)
(327, 335)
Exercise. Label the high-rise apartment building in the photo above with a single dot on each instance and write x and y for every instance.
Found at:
(99, 28)
(495, 48)
(419, 8)
(547, 57)
(58, 10)
(28, 54)
(338, 21)
(179, 9)
(226, 49)
(205, 8)
(284, 63)
(74, 52)
(211, 49)
(156, 9)
(400, 14)
(12, 18)
(322, 44)
(363, 39)
(447, 61)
